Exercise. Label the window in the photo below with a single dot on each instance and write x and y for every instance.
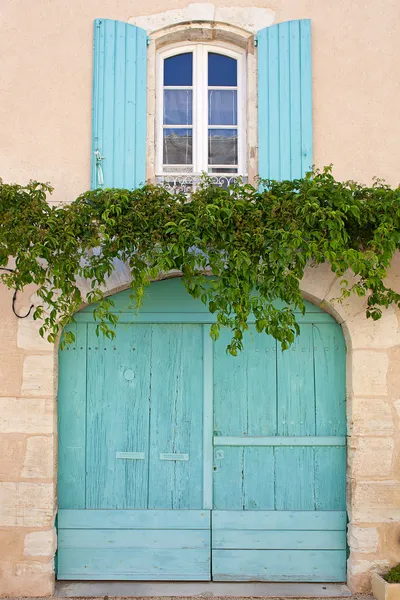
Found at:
(201, 113)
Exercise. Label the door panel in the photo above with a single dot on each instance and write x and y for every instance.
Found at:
(141, 545)
(176, 423)
(280, 447)
(118, 403)
(140, 446)
(72, 421)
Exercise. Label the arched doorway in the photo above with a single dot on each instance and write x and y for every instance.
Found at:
(178, 461)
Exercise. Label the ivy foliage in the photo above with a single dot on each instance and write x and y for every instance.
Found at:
(256, 242)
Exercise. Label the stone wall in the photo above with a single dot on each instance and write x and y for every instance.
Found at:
(27, 456)
(28, 434)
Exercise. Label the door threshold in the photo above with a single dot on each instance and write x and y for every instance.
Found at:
(207, 589)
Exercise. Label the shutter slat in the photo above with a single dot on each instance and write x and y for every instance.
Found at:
(284, 100)
(119, 104)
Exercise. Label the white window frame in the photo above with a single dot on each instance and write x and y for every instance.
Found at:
(200, 125)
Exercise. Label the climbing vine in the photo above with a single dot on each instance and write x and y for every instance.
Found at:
(255, 242)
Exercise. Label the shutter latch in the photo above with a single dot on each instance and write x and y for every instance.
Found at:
(99, 158)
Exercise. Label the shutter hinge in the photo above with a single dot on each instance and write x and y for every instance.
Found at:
(147, 40)
(255, 41)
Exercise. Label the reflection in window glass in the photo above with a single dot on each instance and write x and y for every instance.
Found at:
(222, 107)
(222, 147)
(222, 70)
(177, 107)
(177, 146)
(178, 69)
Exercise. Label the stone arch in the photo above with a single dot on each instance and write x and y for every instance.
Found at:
(373, 409)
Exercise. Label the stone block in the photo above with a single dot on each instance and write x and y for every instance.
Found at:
(363, 539)
(12, 451)
(369, 456)
(370, 416)
(33, 567)
(369, 372)
(40, 543)
(394, 372)
(345, 308)
(375, 502)
(39, 458)
(38, 377)
(11, 544)
(28, 337)
(316, 282)
(367, 333)
(359, 573)
(27, 504)
(26, 415)
(389, 541)
(17, 581)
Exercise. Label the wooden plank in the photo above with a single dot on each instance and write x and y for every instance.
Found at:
(330, 379)
(208, 395)
(279, 565)
(190, 317)
(118, 417)
(176, 423)
(134, 519)
(284, 102)
(280, 441)
(261, 383)
(294, 479)
(306, 95)
(138, 564)
(258, 465)
(272, 520)
(72, 421)
(230, 388)
(296, 169)
(228, 493)
(296, 401)
(278, 540)
(330, 478)
(131, 538)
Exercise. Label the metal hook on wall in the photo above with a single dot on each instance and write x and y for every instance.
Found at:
(14, 298)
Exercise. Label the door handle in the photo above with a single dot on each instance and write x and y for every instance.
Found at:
(130, 455)
(173, 456)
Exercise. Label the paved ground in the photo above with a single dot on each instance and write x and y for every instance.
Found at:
(354, 597)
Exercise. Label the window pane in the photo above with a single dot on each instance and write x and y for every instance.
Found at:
(221, 170)
(222, 107)
(177, 107)
(177, 147)
(222, 70)
(222, 147)
(178, 70)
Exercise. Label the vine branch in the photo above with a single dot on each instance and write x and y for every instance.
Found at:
(256, 242)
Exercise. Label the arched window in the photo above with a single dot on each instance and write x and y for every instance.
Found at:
(201, 113)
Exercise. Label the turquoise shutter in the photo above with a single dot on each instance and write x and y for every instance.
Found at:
(119, 105)
(284, 100)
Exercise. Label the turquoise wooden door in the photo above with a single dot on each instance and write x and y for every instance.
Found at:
(131, 435)
(172, 452)
(279, 458)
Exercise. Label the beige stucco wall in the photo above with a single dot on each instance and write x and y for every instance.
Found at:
(45, 99)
